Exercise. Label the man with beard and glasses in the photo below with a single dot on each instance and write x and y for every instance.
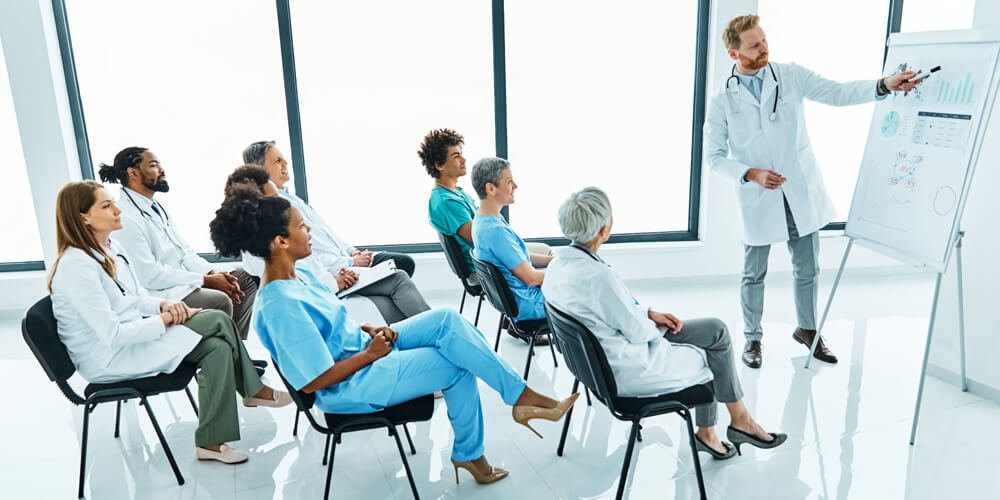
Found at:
(164, 263)
(755, 134)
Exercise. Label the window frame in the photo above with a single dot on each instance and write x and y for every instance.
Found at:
(283, 18)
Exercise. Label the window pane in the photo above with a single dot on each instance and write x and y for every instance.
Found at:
(17, 199)
(601, 94)
(934, 15)
(195, 82)
(373, 78)
(838, 134)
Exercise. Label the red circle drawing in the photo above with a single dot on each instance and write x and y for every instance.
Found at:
(944, 200)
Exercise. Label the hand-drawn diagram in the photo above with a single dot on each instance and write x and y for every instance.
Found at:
(904, 177)
(944, 200)
(890, 124)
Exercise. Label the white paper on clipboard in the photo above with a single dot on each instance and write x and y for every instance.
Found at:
(369, 275)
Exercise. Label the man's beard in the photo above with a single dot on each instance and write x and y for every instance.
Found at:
(754, 64)
(158, 186)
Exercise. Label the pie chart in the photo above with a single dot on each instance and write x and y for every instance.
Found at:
(890, 124)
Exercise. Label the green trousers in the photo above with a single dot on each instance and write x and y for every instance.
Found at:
(224, 367)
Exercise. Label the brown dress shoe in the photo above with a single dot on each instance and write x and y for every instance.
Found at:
(805, 337)
(752, 355)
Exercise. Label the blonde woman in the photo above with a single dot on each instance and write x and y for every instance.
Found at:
(115, 331)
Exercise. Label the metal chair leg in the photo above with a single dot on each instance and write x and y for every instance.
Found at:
(638, 436)
(569, 414)
(163, 441)
(406, 463)
(118, 417)
(586, 392)
(531, 350)
(553, 351)
(686, 415)
(329, 467)
(462, 305)
(191, 399)
(496, 345)
(628, 460)
(295, 426)
(478, 308)
(83, 446)
(413, 449)
(326, 448)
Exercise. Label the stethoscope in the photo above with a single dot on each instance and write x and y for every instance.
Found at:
(587, 251)
(733, 90)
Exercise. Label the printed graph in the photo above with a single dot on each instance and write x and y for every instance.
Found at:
(956, 91)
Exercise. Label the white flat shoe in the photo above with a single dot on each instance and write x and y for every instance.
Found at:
(225, 455)
(281, 398)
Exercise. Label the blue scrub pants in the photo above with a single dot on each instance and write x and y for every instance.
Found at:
(439, 350)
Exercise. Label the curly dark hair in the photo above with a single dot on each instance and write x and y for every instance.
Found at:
(254, 175)
(247, 221)
(434, 150)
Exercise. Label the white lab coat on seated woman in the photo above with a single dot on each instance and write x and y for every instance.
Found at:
(643, 361)
(113, 331)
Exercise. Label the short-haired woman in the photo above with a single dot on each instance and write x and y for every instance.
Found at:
(650, 352)
(114, 330)
(361, 369)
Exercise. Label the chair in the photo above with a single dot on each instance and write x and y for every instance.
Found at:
(414, 410)
(588, 363)
(40, 333)
(498, 292)
(456, 260)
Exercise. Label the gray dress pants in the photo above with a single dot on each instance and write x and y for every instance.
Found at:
(712, 336)
(805, 270)
(396, 297)
(208, 298)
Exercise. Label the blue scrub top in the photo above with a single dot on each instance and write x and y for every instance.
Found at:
(306, 329)
(499, 245)
(449, 210)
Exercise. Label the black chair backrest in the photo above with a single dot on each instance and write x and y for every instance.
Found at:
(496, 288)
(302, 399)
(41, 333)
(456, 259)
(583, 354)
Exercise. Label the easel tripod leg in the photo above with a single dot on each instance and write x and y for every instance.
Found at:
(961, 311)
(927, 351)
(829, 301)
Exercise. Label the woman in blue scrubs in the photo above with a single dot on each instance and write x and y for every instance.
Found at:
(355, 368)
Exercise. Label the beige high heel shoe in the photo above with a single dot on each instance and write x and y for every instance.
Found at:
(495, 474)
(522, 414)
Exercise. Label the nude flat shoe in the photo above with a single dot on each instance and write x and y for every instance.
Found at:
(225, 455)
(281, 398)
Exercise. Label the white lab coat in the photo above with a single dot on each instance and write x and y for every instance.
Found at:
(164, 263)
(643, 361)
(360, 309)
(111, 335)
(332, 251)
(739, 135)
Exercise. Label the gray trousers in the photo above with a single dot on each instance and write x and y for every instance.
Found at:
(208, 298)
(712, 336)
(224, 367)
(805, 270)
(396, 297)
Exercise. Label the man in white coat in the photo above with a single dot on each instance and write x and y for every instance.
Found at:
(755, 134)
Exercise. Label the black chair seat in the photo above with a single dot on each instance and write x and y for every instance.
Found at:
(533, 326)
(691, 396)
(151, 386)
(414, 410)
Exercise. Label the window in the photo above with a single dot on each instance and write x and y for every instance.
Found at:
(195, 82)
(17, 199)
(373, 78)
(601, 94)
(933, 15)
(838, 134)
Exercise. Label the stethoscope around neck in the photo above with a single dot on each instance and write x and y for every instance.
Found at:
(731, 91)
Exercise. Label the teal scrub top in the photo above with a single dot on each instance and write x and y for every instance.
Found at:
(306, 329)
(449, 210)
(499, 245)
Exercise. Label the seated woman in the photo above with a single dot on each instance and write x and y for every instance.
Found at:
(361, 369)
(397, 301)
(114, 330)
(499, 245)
(650, 352)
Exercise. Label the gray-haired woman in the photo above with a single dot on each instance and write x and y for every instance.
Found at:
(650, 352)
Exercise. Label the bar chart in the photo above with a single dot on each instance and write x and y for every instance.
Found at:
(956, 91)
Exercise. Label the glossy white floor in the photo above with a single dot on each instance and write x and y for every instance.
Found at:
(848, 426)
